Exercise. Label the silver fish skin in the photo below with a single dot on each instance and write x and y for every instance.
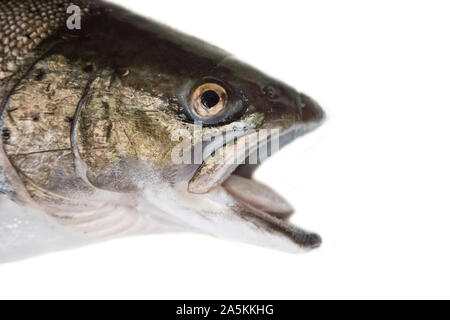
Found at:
(92, 122)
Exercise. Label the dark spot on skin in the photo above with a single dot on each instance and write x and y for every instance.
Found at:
(68, 119)
(89, 68)
(210, 98)
(40, 75)
(106, 106)
(6, 135)
(36, 117)
(109, 132)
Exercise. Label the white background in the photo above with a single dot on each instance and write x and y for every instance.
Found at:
(374, 181)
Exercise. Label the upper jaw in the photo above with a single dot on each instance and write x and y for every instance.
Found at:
(249, 149)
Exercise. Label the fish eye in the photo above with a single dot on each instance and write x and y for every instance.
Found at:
(209, 100)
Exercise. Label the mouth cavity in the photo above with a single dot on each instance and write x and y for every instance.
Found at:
(228, 168)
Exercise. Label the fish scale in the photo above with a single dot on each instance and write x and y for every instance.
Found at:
(24, 25)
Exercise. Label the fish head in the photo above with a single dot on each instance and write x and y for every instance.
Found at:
(191, 125)
(237, 117)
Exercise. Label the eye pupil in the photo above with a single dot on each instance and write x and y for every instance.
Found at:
(210, 99)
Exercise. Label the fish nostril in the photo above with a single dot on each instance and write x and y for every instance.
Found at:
(270, 92)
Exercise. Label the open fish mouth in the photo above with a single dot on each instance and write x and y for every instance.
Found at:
(231, 169)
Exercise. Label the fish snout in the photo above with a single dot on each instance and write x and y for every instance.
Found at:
(309, 111)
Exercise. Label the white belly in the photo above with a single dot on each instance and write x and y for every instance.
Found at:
(25, 233)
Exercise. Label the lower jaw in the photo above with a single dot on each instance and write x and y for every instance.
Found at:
(267, 207)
